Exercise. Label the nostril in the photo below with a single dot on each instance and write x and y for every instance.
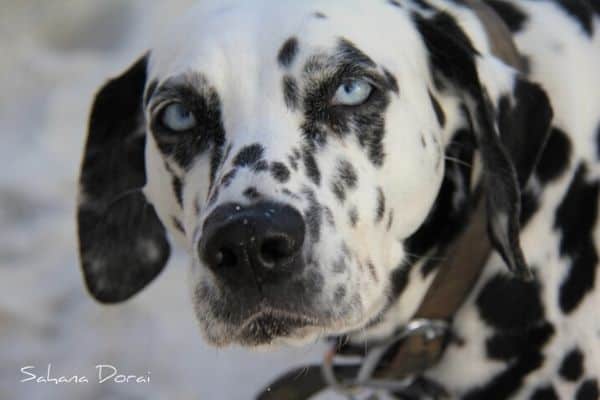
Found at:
(237, 241)
(225, 258)
(276, 249)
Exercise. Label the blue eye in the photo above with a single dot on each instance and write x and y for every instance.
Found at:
(353, 93)
(178, 118)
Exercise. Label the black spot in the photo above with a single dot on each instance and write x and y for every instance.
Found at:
(293, 159)
(353, 216)
(290, 92)
(315, 135)
(352, 55)
(178, 190)
(507, 383)
(346, 179)
(375, 146)
(338, 190)
(313, 216)
(329, 216)
(571, 367)
(372, 271)
(521, 345)
(229, 177)
(280, 172)
(509, 303)
(249, 155)
(380, 210)
(288, 52)
(319, 15)
(340, 293)
(575, 219)
(506, 346)
(443, 36)
(524, 123)
(391, 80)
(390, 220)
(580, 11)
(399, 281)
(588, 390)
(529, 205)
(178, 225)
(311, 167)
(288, 193)
(555, 158)
(545, 393)
(439, 112)
(260, 166)
(395, 3)
(512, 16)
(251, 193)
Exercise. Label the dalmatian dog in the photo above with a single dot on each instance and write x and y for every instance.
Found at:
(315, 158)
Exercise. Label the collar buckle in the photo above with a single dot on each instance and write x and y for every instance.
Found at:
(429, 329)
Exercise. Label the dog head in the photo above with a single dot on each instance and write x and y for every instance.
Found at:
(296, 150)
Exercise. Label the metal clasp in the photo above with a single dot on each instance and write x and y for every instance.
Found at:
(430, 329)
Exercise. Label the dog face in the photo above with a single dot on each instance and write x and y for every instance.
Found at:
(291, 147)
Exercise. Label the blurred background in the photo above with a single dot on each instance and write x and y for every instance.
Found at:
(55, 55)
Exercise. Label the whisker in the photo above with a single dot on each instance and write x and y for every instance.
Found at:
(456, 160)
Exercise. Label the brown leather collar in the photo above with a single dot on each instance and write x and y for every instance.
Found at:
(421, 343)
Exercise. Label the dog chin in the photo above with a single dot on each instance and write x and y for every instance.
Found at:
(266, 331)
(273, 328)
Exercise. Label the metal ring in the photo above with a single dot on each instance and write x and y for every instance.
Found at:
(430, 328)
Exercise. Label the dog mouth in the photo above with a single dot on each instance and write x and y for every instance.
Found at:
(266, 326)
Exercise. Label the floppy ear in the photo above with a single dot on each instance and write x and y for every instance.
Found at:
(509, 116)
(122, 243)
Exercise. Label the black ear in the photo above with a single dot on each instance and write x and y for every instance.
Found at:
(122, 243)
(511, 128)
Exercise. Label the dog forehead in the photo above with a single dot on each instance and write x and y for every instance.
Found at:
(242, 38)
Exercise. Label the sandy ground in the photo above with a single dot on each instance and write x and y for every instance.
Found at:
(55, 54)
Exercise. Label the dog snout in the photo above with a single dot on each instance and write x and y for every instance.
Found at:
(264, 240)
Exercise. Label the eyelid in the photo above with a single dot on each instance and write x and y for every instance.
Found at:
(377, 83)
(163, 96)
(157, 104)
(155, 108)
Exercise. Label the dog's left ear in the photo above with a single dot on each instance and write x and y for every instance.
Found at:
(509, 116)
(122, 243)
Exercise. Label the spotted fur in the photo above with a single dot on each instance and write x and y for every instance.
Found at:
(381, 188)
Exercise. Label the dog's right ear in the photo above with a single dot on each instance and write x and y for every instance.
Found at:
(122, 243)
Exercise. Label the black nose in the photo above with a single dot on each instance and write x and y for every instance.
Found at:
(263, 240)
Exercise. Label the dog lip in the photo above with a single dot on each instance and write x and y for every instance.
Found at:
(266, 325)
